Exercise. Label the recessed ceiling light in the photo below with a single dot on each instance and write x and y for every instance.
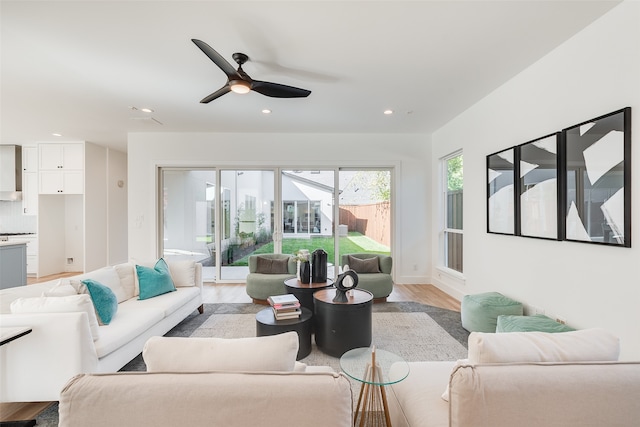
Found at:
(266, 111)
(387, 112)
(146, 110)
(56, 134)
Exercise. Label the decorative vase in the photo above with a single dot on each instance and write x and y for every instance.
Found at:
(305, 272)
(319, 260)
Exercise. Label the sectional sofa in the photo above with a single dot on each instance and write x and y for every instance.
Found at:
(66, 340)
(524, 379)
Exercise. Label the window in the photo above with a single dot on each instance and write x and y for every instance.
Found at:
(452, 184)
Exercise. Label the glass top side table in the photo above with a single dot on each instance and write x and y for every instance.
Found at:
(370, 366)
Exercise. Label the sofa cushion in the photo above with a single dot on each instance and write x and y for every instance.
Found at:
(168, 303)
(537, 322)
(130, 322)
(368, 265)
(576, 346)
(268, 353)
(154, 281)
(272, 265)
(61, 289)
(65, 304)
(104, 300)
(109, 277)
(416, 400)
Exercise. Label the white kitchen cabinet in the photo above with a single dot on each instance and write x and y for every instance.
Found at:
(61, 168)
(30, 193)
(61, 182)
(29, 158)
(30, 180)
(68, 156)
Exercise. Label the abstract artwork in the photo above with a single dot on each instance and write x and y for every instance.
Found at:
(597, 168)
(538, 185)
(500, 194)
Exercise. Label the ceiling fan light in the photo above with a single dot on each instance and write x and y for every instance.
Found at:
(240, 86)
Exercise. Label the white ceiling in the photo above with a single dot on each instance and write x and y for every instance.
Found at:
(76, 67)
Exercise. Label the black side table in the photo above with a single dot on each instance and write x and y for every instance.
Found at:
(342, 326)
(266, 324)
(304, 291)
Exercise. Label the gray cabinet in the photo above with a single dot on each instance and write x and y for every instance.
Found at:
(13, 264)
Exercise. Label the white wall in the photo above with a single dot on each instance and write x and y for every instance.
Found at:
(408, 153)
(594, 73)
(117, 206)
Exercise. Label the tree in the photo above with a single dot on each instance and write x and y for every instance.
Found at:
(454, 173)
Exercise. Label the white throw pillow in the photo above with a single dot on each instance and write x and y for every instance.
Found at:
(183, 273)
(68, 304)
(61, 289)
(109, 277)
(269, 353)
(127, 274)
(586, 345)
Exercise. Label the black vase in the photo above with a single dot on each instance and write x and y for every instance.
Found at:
(305, 272)
(319, 261)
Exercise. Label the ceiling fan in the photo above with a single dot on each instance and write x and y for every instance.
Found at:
(238, 81)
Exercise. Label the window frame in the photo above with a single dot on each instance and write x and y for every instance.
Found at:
(444, 231)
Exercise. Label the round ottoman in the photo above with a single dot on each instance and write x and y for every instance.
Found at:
(480, 312)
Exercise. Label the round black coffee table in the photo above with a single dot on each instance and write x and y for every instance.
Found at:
(304, 291)
(266, 324)
(342, 326)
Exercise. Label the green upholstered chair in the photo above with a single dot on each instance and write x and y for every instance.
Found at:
(262, 283)
(379, 284)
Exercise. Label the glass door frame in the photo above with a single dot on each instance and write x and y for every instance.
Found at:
(277, 232)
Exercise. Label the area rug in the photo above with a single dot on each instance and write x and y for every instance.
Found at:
(412, 330)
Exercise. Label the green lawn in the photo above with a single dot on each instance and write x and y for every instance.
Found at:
(352, 243)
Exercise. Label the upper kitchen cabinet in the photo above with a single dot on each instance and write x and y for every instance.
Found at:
(68, 156)
(61, 168)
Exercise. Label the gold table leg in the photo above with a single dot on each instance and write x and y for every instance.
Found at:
(372, 408)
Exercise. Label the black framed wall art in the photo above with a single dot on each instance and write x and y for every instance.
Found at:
(500, 192)
(538, 200)
(597, 181)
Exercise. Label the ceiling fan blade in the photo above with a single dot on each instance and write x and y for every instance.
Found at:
(217, 94)
(276, 90)
(217, 59)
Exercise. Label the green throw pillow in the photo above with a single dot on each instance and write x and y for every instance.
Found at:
(535, 323)
(104, 300)
(154, 281)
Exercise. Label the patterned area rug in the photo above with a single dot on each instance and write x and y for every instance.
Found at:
(412, 330)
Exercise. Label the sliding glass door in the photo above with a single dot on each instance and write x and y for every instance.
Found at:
(218, 217)
(308, 212)
(247, 217)
(187, 213)
(365, 211)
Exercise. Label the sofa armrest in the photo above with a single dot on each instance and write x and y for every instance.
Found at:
(35, 367)
(545, 394)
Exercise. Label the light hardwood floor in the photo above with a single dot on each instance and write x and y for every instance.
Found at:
(235, 293)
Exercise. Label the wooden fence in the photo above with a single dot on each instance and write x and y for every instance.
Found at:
(371, 220)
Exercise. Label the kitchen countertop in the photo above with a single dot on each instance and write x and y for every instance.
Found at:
(13, 243)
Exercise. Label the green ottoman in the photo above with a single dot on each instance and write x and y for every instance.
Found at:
(480, 312)
(535, 323)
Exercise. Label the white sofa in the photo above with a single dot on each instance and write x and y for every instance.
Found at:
(214, 382)
(61, 345)
(523, 379)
